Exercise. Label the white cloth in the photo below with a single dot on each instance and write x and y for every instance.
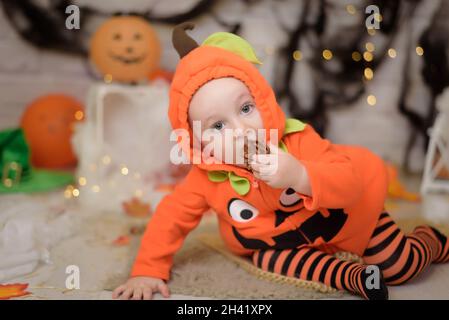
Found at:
(27, 232)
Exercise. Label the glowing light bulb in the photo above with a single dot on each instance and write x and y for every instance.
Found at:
(378, 17)
(356, 56)
(371, 99)
(419, 51)
(368, 73)
(368, 56)
(370, 46)
(327, 54)
(392, 53)
(82, 181)
(297, 55)
(350, 9)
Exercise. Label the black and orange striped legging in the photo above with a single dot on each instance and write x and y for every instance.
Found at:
(399, 257)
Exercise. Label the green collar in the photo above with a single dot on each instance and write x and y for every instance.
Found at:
(293, 125)
(241, 185)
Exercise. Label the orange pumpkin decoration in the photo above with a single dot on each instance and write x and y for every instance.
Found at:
(126, 49)
(48, 125)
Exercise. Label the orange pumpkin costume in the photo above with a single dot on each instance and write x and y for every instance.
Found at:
(284, 231)
(348, 183)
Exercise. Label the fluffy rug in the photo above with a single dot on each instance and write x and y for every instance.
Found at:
(204, 268)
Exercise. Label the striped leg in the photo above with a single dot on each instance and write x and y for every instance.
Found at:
(402, 257)
(442, 245)
(314, 265)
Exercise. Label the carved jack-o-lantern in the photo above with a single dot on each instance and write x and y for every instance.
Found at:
(125, 48)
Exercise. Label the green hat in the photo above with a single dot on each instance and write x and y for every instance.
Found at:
(16, 172)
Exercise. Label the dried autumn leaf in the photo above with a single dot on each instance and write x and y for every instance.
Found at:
(121, 241)
(134, 230)
(13, 290)
(136, 208)
(396, 189)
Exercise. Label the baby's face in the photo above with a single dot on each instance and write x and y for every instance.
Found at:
(223, 104)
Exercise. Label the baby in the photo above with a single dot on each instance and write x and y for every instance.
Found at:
(290, 205)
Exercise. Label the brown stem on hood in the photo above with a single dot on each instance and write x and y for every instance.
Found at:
(181, 40)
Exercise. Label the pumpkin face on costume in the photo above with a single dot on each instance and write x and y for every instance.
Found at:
(48, 124)
(125, 48)
(330, 222)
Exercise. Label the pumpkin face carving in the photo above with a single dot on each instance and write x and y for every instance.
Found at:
(125, 48)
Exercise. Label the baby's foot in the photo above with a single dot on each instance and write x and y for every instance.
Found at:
(442, 254)
(366, 290)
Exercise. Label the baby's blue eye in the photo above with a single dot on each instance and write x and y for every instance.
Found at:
(218, 125)
(247, 108)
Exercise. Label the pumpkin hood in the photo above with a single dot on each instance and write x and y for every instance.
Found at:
(220, 55)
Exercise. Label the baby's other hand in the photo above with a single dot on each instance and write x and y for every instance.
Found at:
(138, 288)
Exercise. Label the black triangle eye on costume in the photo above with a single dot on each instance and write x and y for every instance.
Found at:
(289, 198)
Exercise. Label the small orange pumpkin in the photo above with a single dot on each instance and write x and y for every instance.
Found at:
(48, 124)
(125, 49)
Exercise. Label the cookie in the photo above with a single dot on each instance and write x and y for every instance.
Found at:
(252, 147)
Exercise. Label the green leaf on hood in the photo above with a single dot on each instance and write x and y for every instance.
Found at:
(293, 125)
(233, 43)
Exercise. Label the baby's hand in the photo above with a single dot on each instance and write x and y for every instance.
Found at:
(280, 169)
(138, 288)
